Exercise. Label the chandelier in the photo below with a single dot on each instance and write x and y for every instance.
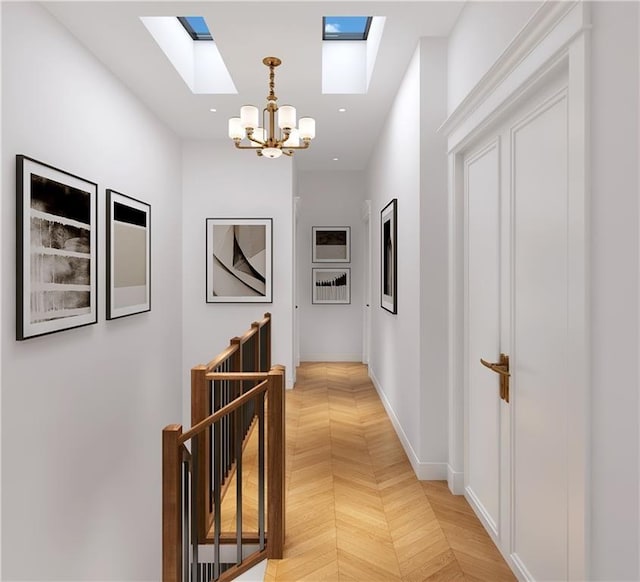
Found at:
(264, 138)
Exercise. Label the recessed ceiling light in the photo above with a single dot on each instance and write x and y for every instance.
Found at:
(213, 110)
(342, 110)
(335, 159)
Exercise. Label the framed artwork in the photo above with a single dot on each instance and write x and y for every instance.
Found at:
(331, 244)
(389, 254)
(331, 285)
(56, 249)
(239, 260)
(128, 255)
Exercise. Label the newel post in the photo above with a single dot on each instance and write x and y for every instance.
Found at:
(171, 504)
(276, 463)
(200, 409)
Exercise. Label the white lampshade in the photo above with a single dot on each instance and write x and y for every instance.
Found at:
(249, 116)
(293, 141)
(286, 117)
(236, 130)
(307, 127)
(258, 133)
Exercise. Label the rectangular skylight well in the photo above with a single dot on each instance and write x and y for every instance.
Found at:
(345, 27)
(196, 27)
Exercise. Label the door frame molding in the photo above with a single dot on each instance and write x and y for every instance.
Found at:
(556, 35)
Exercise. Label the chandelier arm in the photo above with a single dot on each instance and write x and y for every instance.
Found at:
(251, 138)
(302, 147)
(241, 147)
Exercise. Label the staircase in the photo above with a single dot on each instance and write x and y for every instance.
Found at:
(223, 511)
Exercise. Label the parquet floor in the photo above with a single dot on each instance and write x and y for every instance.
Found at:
(355, 510)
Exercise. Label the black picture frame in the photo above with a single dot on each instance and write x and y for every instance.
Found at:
(239, 260)
(128, 255)
(331, 286)
(56, 249)
(389, 257)
(330, 244)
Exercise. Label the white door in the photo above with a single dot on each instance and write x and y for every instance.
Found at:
(518, 300)
(366, 315)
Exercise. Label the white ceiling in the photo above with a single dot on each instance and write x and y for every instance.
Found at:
(245, 33)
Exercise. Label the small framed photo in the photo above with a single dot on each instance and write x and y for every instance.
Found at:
(331, 285)
(239, 260)
(389, 256)
(331, 244)
(56, 250)
(128, 255)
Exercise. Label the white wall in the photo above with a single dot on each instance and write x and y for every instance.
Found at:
(434, 240)
(394, 172)
(331, 333)
(409, 350)
(482, 32)
(83, 409)
(222, 182)
(614, 291)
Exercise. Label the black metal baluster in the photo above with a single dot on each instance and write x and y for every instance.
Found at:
(186, 524)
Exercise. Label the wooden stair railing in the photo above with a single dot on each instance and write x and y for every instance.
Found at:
(235, 393)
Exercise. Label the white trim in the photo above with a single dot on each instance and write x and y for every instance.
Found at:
(455, 480)
(544, 39)
(424, 471)
(557, 32)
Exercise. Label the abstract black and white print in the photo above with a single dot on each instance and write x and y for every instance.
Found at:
(331, 244)
(239, 260)
(128, 256)
(331, 285)
(56, 250)
(389, 257)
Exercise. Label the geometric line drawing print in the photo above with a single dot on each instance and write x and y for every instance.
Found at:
(238, 260)
(56, 250)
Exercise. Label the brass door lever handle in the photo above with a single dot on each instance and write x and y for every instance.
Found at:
(502, 368)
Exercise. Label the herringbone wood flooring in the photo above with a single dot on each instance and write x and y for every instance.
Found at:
(355, 510)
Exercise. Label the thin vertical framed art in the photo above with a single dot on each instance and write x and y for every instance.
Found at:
(56, 249)
(389, 257)
(128, 255)
(239, 260)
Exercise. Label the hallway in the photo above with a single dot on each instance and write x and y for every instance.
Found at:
(355, 510)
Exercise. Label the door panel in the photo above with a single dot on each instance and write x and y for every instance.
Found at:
(539, 304)
(483, 316)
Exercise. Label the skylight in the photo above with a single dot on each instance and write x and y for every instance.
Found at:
(196, 27)
(345, 27)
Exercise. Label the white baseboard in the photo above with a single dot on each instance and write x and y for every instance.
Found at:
(331, 357)
(424, 471)
(455, 480)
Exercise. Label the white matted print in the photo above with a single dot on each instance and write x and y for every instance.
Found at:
(239, 260)
(56, 247)
(331, 244)
(389, 257)
(331, 285)
(128, 255)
